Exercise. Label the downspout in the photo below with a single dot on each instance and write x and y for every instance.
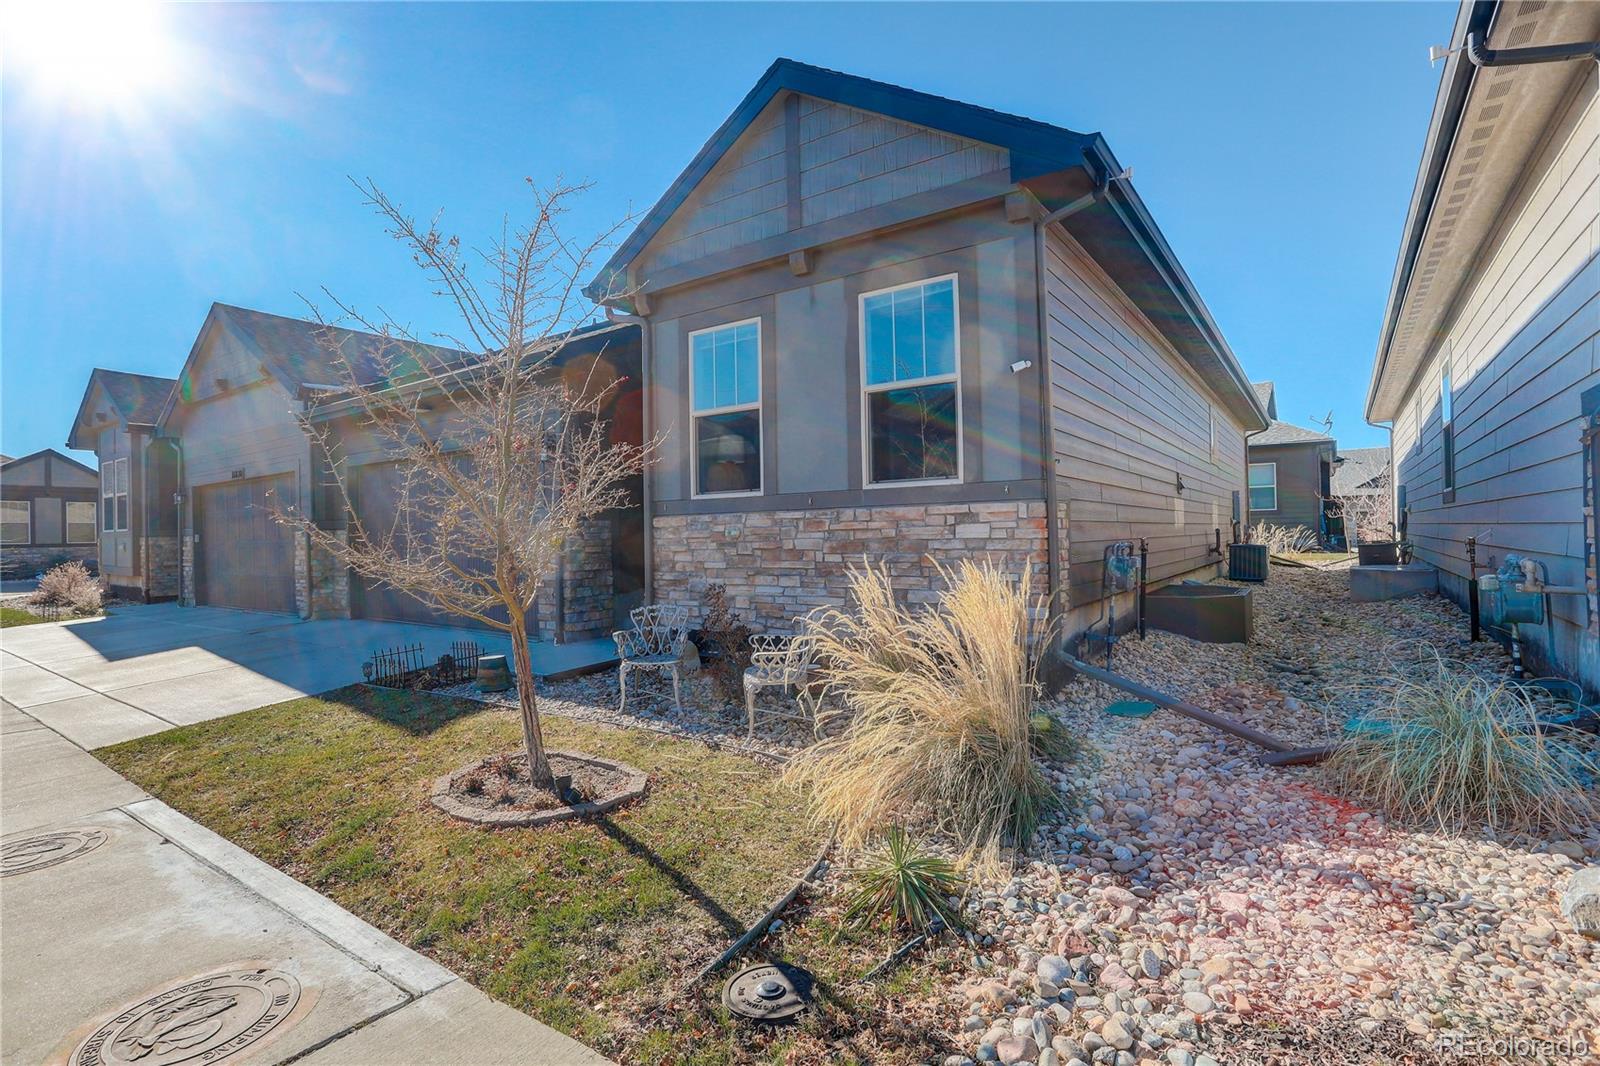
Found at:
(1047, 437)
(1047, 443)
(1483, 56)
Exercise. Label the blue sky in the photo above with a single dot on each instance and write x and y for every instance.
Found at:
(1275, 144)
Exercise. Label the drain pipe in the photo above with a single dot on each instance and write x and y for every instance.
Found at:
(1483, 56)
(1199, 714)
(1052, 532)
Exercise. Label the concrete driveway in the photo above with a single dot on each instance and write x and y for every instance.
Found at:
(144, 669)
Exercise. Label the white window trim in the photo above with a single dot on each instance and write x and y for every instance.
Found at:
(27, 510)
(696, 414)
(66, 521)
(937, 379)
(1248, 488)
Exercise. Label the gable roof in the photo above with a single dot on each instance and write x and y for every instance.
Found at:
(1288, 433)
(1356, 469)
(6, 461)
(137, 398)
(1036, 147)
(301, 354)
(1267, 395)
(1054, 163)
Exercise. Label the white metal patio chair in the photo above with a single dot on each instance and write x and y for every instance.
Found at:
(787, 661)
(655, 641)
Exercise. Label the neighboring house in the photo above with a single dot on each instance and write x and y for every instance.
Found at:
(227, 453)
(885, 325)
(1488, 367)
(116, 420)
(49, 507)
(1290, 472)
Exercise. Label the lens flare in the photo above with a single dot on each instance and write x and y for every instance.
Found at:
(90, 52)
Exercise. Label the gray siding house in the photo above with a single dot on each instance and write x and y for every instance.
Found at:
(49, 512)
(212, 457)
(1488, 366)
(1291, 471)
(116, 420)
(884, 324)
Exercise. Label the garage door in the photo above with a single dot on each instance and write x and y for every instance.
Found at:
(245, 558)
(377, 488)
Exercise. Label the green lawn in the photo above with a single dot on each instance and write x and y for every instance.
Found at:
(16, 616)
(584, 926)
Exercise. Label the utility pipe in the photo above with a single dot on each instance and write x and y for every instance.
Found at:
(1161, 699)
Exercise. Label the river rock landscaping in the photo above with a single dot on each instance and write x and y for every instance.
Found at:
(1197, 907)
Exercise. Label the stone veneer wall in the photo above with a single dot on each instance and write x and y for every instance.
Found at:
(162, 568)
(779, 565)
(186, 570)
(329, 589)
(589, 586)
(25, 560)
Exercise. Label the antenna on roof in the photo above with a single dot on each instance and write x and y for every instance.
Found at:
(1438, 51)
(1326, 423)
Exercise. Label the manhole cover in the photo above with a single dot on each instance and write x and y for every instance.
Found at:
(205, 1020)
(42, 850)
(770, 992)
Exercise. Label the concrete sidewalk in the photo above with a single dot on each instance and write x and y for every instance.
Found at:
(129, 932)
(146, 668)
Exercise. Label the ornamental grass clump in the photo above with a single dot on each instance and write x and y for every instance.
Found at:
(906, 884)
(1283, 540)
(1446, 747)
(936, 712)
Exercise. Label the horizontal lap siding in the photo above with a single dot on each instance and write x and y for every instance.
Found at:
(1523, 346)
(1129, 417)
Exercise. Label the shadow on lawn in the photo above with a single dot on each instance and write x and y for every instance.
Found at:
(681, 880)
(400, 707)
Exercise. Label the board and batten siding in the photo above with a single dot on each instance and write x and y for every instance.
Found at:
(1129, 418)
(1521, 348)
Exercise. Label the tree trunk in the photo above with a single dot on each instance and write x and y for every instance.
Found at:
(532, 735)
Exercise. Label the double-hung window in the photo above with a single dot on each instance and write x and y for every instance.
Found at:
(726, 384)
(114, 495)
(1263, 486)
(911, 383)
(1447, 429)
(16, 522)
(80, 523)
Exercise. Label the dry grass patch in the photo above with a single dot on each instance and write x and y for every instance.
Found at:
(938, 703)
(586, 925)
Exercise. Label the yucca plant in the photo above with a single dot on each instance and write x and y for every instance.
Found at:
(936, 711)
(904, 883)
(1450, 748)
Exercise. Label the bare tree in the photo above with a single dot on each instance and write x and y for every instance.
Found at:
(1368, 514)
(503, 454)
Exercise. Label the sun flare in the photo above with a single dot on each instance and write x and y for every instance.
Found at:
(93, 52)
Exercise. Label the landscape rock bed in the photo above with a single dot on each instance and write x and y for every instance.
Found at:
(1194, 904)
